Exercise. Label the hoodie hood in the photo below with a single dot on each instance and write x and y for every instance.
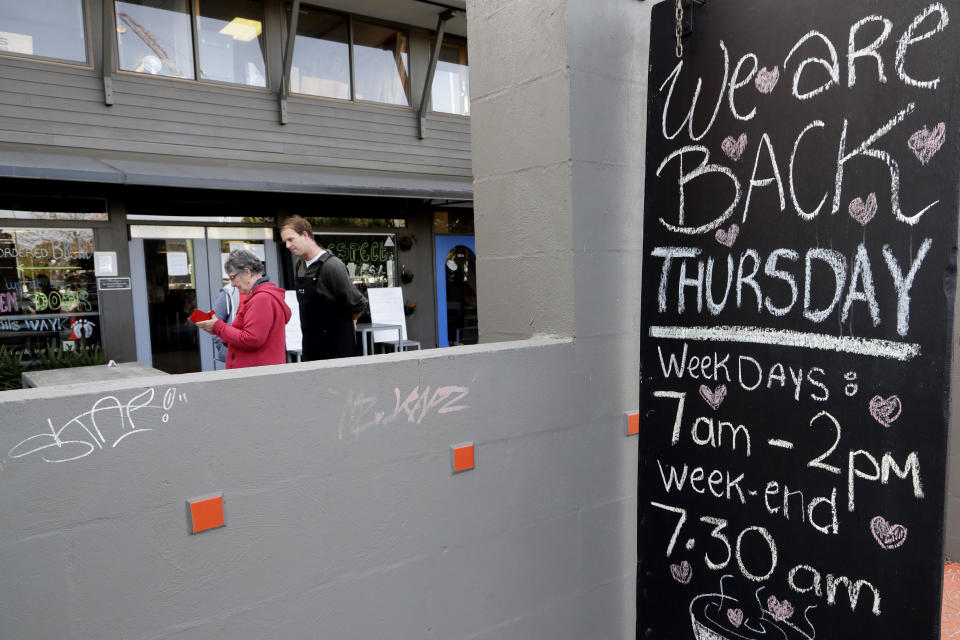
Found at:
(267, 288)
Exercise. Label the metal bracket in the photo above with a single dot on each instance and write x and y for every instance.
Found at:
(431, 70)
(288, 61)
(688, 7)
(109, 25)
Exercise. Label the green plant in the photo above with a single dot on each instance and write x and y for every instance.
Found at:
(57, 357)
(11, 366)
(51, 356)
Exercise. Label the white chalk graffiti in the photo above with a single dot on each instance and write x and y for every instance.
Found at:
(94, 428)
(359, 412)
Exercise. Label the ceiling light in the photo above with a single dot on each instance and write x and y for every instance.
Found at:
(243, 29)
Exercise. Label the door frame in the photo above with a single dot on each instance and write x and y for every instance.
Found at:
(141, 308)
(442, 244)
(206, 255)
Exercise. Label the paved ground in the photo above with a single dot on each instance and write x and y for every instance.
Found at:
(950, 613)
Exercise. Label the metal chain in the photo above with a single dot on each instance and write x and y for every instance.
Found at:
(679, 27)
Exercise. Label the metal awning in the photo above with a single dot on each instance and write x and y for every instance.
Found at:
(150, 171)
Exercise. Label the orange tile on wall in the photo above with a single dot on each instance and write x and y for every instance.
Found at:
(463, 457)
(633, 423)
(206, 513)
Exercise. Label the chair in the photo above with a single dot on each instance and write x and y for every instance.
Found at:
(386, 307)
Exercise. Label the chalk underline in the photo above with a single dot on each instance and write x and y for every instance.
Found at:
(787, 338)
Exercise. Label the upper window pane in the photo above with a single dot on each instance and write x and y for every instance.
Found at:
(230, 42)
(51, 215)
(153, 36)
(44, 28)
(381, 70)
(451, 81)
(321, 55)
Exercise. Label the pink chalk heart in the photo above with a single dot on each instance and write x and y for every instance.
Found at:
(779, 609)
(727, 237)
(734, 148)
(714, 398)
(925, 144)
(767, 79)
(681, 572)
(863, 211)
(735, 616)
(885, 411)
(887, 535)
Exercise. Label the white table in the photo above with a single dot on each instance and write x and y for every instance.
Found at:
(366, 330)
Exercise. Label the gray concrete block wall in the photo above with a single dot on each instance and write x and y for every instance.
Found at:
(336, 526)
(558, 189)
(520, 135)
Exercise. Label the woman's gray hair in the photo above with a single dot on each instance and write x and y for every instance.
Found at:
(241, 259)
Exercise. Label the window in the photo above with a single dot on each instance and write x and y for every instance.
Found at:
(321, 55)
(12, 214)
(381, 68)
(153, 36)
(230, 42)
(255, 247)
(52, 29)
(48, 292)
(453, 221)
(17, 207)
(327, 43)
(370, 259)
(451, 81)
(156, 37)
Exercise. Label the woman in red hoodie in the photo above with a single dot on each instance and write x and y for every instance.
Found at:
(257, 336)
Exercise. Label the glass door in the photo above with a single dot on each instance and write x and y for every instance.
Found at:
(177, 269)
(171, 297)
(168, 267)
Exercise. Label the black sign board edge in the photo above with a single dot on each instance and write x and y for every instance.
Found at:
(949, 291)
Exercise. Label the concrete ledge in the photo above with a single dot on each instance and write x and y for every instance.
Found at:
(67, 390)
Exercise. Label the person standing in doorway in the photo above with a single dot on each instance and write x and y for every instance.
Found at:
(329, 303)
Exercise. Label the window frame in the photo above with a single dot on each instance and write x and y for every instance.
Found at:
(94, 227)
(285, 31)
(87, 39)
(402, 28)
(460, 43)
(195, 43)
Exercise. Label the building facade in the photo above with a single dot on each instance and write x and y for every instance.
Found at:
(143, 140)
(344, 518)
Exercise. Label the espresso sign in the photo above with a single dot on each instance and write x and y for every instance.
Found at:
(800, 226)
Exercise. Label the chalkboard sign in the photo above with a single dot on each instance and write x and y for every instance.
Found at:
(800, 225)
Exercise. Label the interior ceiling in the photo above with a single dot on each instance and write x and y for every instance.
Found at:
(412, 12)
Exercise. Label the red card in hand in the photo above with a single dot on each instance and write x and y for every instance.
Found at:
(198, 316)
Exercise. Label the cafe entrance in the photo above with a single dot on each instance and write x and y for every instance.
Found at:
(176, 269)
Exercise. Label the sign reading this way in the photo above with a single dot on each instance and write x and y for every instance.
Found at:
(800, 231)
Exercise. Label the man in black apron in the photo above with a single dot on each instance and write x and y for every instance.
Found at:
(329, 303)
